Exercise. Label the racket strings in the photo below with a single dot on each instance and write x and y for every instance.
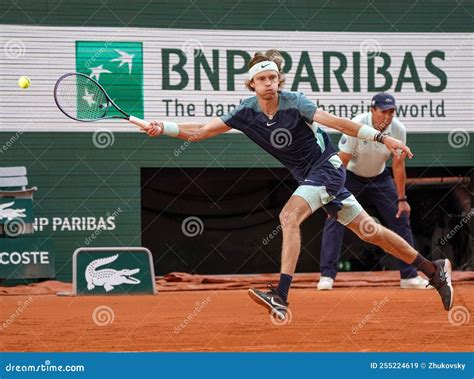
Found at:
(81, 98)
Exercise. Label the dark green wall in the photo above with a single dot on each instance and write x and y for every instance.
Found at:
(318, 15)
(76, 179)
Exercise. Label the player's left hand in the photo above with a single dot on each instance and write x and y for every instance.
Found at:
(394, 144)
(403, 207)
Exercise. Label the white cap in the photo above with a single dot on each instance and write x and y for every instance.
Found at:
(262, 66)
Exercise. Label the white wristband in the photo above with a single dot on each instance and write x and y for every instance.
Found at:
(170, 129)
(367, 133)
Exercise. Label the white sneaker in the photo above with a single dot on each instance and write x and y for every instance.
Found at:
(417, 283)
(325, 283)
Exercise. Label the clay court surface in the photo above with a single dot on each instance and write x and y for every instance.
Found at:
(367, 317)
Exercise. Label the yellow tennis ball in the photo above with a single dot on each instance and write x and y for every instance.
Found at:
(24, 82)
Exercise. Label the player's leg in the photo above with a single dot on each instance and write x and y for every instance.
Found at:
(439, 272)
(370, 231)
(295, 211)
(305, 200)
(327, 180)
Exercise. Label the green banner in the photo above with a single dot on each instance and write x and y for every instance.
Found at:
(114, 271)
(19, 209)
(118, 67)
(26, 258)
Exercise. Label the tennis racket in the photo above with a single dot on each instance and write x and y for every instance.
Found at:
(83, 99)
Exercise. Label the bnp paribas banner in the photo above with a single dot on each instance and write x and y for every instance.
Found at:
(177, 74)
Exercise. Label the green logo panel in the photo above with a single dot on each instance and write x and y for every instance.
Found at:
(113, 271)
(118, 67)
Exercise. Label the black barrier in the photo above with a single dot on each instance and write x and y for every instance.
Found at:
(225, 221)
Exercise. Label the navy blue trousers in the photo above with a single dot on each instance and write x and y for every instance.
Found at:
(379, 192)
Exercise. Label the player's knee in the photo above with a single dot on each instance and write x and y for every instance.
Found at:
(289, 219)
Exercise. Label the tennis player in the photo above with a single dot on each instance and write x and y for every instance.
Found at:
(313, 161)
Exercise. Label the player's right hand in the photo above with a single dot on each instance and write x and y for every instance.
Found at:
(154, 128)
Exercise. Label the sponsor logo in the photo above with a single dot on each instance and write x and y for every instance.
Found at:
(108, 278)
(10, 213)
(275, 303)
(24, 257)
(111, 63)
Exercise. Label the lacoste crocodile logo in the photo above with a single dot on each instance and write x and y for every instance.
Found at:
(107, 277)
(10, 213)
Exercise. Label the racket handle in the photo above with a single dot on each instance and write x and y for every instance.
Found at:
(139, 122)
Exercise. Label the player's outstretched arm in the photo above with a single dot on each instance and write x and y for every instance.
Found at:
(356, 129)
(188, 131)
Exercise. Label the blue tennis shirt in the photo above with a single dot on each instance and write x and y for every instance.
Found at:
(290, 136)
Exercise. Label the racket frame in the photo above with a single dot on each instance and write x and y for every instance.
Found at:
(134, 120)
